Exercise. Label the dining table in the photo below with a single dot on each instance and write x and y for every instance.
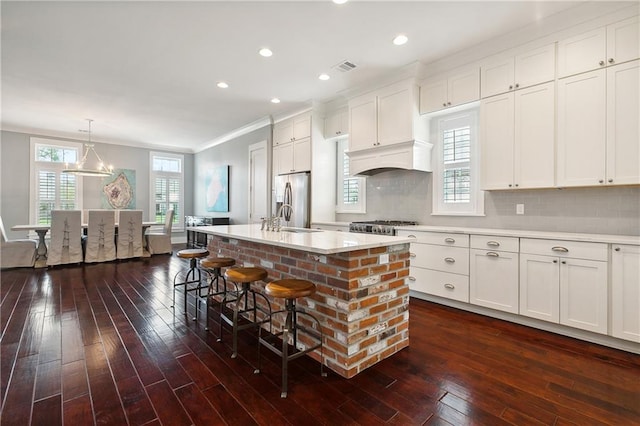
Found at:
(41, 230)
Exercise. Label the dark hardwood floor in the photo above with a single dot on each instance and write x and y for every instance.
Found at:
(99, 344)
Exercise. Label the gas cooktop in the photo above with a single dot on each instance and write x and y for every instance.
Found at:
(385, 227)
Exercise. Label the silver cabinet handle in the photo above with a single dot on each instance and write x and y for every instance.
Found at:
(449, 260)
(412, 278)
(517, 85)
(448, 103)
(560, 249)
(601, 63)
(611, 60)
(444, 104)
(412, 255)
(610, 180)
(601, 181)
(449, 240)
(449, 286)
(510, 86)
(492, 254)
(493, 244)
(411, 236)
(555, 260)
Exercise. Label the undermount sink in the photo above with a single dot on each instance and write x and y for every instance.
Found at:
(300, 230)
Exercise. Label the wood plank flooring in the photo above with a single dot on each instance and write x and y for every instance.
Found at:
(99, 344)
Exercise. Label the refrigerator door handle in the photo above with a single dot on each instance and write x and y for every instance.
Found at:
(287, 200)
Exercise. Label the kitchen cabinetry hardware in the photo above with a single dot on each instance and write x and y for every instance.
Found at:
(411, 236)
(610, 180)
(517, 85)
(510, 87)
(611, 60)
(600, 180)
(555, 260)
(449, 286)
(450, 90)
(564, 262)
(449, 240)
(493, 244)
(560, 249)
(617, 249)
(601, 63)
(412, 278)
(449, 260)
(412, 255)
(492, 254)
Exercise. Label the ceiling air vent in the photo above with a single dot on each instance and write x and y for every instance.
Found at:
(345, 66)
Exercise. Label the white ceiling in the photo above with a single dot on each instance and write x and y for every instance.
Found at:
(146, 71)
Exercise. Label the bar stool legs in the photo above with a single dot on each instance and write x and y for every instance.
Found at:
(190, 276)
(214, 265)
(244, 277)
(290, 290)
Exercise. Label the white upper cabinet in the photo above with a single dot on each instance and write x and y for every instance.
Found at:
(448, 91)
(623, 132)
(598, 135)
(605, 46)
(298, 127)
(517, 139)
(336, 125)
(501, 74)
(292, 157)
(385, 117)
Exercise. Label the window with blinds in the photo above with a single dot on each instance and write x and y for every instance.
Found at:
(167, 181)
(52, 189)
(351, 198)
(455, 179)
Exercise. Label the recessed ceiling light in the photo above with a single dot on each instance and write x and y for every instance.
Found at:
(339, 1)
(275, 101)
(265, 52)
(222, 85)
(400, 39)
(324, 77)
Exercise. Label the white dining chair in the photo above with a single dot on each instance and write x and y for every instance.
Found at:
(66, 231)
(129, 234)
(101, 236)
(16, 253)
(159, 242)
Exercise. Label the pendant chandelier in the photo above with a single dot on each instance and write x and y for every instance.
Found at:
(80, 168)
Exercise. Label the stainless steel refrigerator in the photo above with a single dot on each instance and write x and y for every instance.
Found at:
(294, 190)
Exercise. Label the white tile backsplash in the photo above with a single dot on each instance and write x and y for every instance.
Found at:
(406, 195)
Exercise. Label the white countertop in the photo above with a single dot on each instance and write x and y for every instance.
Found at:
(316, 241)
(565, 236)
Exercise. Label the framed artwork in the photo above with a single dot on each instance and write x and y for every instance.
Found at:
(217, 189)
(119, 190)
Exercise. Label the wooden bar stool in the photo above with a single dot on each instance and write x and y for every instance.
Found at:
(290, 290)
(244, 276)
(191, 278)
(215, 265)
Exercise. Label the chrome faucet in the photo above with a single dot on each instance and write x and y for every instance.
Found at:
(278, 223)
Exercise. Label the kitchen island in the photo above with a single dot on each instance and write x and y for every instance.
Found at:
(361, 297)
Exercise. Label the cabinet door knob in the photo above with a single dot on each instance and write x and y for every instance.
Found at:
(449, 286)
(448, 103)
(601, 181)
(564, 262)
(517, 85)
(601, 63)
(510, 87)
(516, 185)
(610, 180)
(555, 260)
(617, 249)
(611, 60)
(444, 104)
(510, 185)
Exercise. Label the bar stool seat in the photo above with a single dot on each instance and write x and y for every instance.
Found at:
(244, 276)
(215, 265)
(291, 289)
(191, 278)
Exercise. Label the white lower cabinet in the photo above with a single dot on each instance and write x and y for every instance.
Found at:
(493, 275)
(563, 288)
(625, 292)
(439, 264)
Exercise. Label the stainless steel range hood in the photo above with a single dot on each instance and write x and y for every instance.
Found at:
(411, 155)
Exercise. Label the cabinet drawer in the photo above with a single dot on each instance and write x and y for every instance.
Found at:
(491, 242)
(443, 284)
(573, 249)
(440, 258)
(453, 240)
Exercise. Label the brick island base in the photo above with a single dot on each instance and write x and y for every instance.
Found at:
(361, 303)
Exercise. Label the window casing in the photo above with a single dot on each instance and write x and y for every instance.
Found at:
(351, 195)
(50, 188)
(456, 189)
(167, 183)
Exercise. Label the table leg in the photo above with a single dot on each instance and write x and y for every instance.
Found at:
(41, 258)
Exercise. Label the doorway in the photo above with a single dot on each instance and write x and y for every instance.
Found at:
(258, 182)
